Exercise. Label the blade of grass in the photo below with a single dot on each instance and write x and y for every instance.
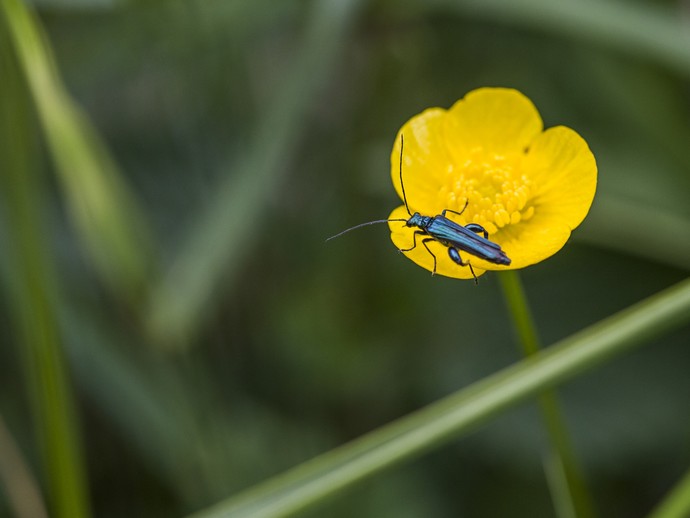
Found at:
(617, 224)
(677, 502)
(635, 28)
(227, 229)
(140, 396)
(33, 284)
(459, 413)
(20, 485)
(199, 439)
(109, 222)
(568, 489)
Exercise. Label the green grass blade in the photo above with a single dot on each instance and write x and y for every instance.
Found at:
(456, 415)
(636, 28)
(140, 396)
(617, 224)
(33, 284)
(225, 232)
(103, 210)
(567, 484)
(677, 502)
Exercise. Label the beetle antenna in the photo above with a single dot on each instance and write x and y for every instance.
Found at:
(402, 185)
(364, 225)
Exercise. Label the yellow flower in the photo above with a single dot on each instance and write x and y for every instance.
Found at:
(529, 188)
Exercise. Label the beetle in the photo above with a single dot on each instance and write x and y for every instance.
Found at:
(471, 238)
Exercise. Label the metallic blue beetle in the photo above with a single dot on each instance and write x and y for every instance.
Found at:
(439, 228)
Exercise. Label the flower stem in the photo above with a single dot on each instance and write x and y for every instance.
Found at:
(566, 483)
(455, 416)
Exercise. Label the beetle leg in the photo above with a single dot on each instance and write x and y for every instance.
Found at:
(414, 241)
(424, 242)
(477, 229)
(455, 257)
(476, 281)
(455, 211)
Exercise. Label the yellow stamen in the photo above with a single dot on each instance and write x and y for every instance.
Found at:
(498, 195)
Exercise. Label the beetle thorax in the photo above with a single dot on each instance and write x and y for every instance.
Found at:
(417, 220)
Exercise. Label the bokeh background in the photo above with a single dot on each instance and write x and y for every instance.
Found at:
(249, 132)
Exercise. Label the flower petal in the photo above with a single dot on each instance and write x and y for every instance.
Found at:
(403, 238)
(495, 122)
(564, 172)
(425, 161)
(530, 242)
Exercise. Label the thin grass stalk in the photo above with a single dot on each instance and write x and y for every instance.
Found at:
(567, 484)
(109, 221)
(634, 28)
(456, 415)
(228, 228)
(32, 288)
(677, 503)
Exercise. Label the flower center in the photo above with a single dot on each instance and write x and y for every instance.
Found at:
(497, 194)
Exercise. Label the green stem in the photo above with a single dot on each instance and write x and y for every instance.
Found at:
(566, 482)
(33, 284)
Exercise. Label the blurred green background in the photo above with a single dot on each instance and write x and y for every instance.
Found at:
(245, 133)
